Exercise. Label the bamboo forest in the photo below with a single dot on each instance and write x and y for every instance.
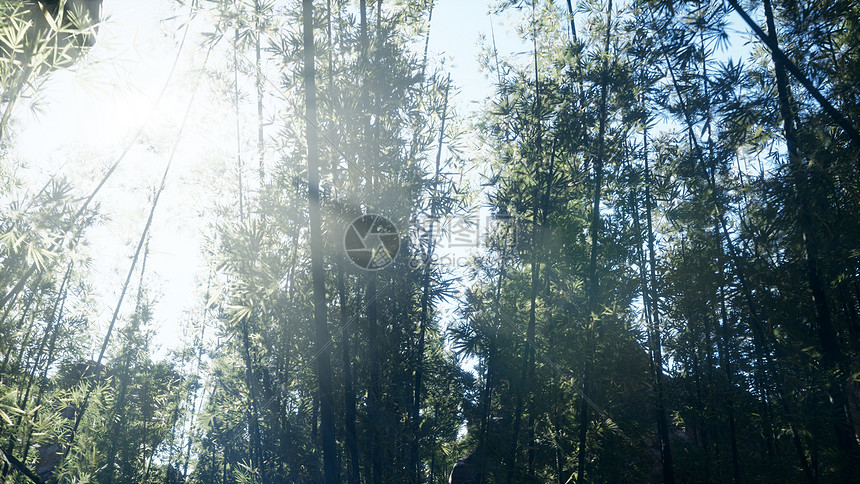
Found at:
(429, 241)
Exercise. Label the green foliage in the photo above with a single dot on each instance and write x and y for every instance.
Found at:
(664, 280)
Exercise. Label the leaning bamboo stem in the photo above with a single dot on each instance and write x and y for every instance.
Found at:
(143, 237)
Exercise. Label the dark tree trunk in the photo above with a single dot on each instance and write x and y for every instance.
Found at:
(415, 460)
(330, 465)
(831, 353)
(527, 371)
(592, 288)
(652, 307)
(258, 79)
(373, 407)
(373, 394)
(253, 400)
(799, 175)
(353, 475)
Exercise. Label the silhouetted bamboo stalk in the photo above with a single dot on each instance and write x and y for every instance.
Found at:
(527, 369)
(258, 74)
(760, 341)
(119, 409)
(831, 352)
(592, 287)
(77, 217)
(330, 464)
(656, 343)
(143, 237)
(426, 301)
(779, 56)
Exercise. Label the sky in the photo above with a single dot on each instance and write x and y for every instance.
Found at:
(89, 114)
